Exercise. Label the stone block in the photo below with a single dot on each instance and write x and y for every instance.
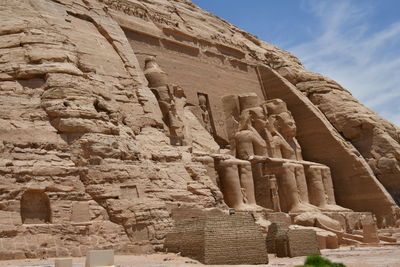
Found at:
(279, 217)
(302, 242)
(281, 246)
(224, 239)
(277, 230)
(63, 262)
(370, 234)
(80, 212)
(96, 258)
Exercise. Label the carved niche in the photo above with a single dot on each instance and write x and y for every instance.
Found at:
(35, 207)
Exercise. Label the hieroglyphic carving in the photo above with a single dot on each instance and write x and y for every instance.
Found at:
(273, 185)
(224, 40)
(140, 11)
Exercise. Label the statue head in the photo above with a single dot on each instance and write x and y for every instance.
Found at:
(286, 124)
(178, 91)
(281, 117)
(244, 121)
(154, 74)
(257, 116)
(150, 61)
(250, 104)
(247, 101)
(203, 102)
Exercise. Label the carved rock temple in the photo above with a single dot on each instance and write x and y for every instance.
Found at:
(136, 125)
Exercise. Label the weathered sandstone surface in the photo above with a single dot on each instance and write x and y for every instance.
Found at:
(85, 159)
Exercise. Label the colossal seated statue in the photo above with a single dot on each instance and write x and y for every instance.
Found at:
(236, 176)
(275, 152)
(317, 187)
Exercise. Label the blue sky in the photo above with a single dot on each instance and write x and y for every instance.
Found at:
(355, 42)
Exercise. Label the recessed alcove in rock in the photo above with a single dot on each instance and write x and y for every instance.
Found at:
(35, 207)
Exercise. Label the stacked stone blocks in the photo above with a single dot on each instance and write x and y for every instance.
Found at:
(227, 239)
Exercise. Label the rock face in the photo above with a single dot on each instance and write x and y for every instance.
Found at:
(86, 157)
(81, 136)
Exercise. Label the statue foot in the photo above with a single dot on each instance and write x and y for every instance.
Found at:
(304, 207)
(333, 208)
(249, 207)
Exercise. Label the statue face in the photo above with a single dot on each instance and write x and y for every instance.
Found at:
(203, 102)
(244, 121)
(258, 116)
(258, 113)
(287, 124)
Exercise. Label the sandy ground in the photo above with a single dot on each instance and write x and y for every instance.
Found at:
(352, 257)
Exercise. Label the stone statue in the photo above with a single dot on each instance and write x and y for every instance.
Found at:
(291, 176)
(236, 173)
(167, 100)
(237, 183)
(273, 185)
(247, 139)
(265, 134)
(314, 180)
(285, 130)
(205, 114)
(177, 126)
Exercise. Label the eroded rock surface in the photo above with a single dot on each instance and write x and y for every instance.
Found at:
(86, 159)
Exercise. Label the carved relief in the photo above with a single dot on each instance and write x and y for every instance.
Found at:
(206, 113)
(129, 192)
(80, 211)
(140, 11)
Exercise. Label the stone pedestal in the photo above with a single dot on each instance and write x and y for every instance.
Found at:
(95, 258)
(63, 262)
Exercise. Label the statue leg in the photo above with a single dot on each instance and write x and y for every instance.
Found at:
(288, 187)
(291, 174)
(316, 187)
(329, 191)
(328, 185)
(246, 181)
(301, 182)
(230, 184)
(262, 188)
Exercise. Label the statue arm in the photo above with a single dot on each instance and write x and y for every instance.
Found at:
(257, 139)
(286, 149)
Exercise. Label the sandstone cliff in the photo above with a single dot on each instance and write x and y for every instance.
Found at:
(78, 122)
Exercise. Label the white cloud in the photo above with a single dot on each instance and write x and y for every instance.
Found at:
(348, 49)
